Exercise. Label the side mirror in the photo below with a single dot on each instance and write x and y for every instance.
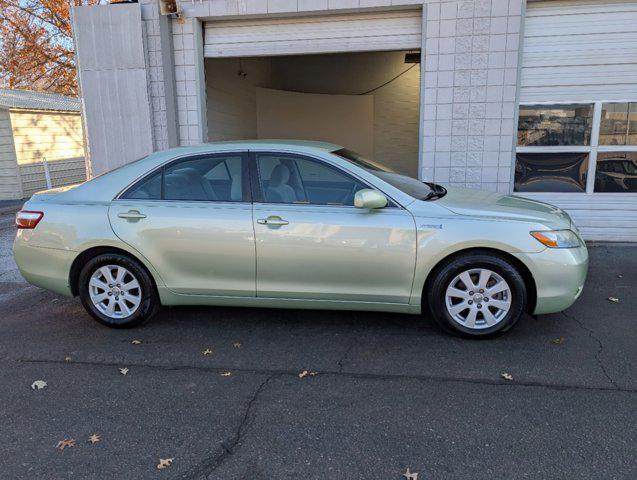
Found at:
(368, 198)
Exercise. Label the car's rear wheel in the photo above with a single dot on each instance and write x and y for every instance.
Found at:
(477, 295)
(117, 291)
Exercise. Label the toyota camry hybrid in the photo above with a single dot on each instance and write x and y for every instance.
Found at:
(298, 225)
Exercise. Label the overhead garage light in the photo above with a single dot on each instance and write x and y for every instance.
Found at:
(413, 57)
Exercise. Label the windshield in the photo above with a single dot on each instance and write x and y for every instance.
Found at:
(410, 186)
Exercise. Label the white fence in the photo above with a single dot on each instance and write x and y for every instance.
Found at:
(60, 172)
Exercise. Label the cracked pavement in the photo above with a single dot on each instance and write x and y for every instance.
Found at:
(392, 391)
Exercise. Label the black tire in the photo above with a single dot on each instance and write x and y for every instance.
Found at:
(148, 306)
(448, 271)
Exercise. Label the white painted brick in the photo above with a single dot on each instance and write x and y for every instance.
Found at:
(429, 112)
(506, 158)
(447, 28)
(457, 174)
(494, 93)
(515, 7)
(431, 62)
(479, 60)
(499, 8)
(496, 60)
(504, 187)
(448, 45)
(508, 94)
(507, 127)
(460, 127)
(462, 44)
(428, 173)
(504, 174)
(511, 59)
(506, 141)
(441, 174)
(480, 43)
(445, 79)
(253, 7)
(432, 11)
(490, 159)
(482, 8)
(492, 126)
(489, 174)
(222, 7)
(429, 144)
(430, 96)
(473, 176)
(336, 4)
(443, 143)
(429, 128)
(431, 79)
(498, 25)
(443, 112)
(476, 126)
(513, 42)
(478, 94)
(465, 9)
(447, 62)
(445, 95)
(462, 78)
(491, 142)
(481, 26)
(282, 6)
(193, 117)
(459, 143)
(461, 94)
(477, 110)
(495, 76)
(497, 43)
(493, 110)
(513, 24)
(433, 28)
(433, 46)
(475, 143)
(464, 26)
(448, 10)
(460, 110)
(478, 77)
(443, 127)
(458, 159)
(474, 159)
(508, 109)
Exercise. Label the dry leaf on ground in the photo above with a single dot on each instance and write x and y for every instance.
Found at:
(613, 299)
(123, 371)
(136, 342)
(506, 376)
(67, 442)
(164, 462)
(410, 475)
(94, 438)
(558, 341)
(67, 359)
(207, 351)
(38, 385)
(226, 374)
(236, 345)
(303, 374)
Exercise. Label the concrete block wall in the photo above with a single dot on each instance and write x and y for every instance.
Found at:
(470, 96)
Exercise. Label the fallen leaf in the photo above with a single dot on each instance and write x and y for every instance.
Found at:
(207, 351)
(164, 462)
(620, 276)
(506, 376)
(94, 438)
(67, 359)
(123, 371)
(67, 442)
(410, 475)
(313, 374)
(38, 385)
(613, 299)
(558, 341)
(236, 345)
(303, 374)
(226, 374)
(136, 342)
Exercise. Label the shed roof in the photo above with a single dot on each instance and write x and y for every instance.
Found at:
(27, 99)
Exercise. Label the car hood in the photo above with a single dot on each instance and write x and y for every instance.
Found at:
(479, 203)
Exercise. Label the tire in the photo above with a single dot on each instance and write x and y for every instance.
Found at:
(475, 311)
(133, 303)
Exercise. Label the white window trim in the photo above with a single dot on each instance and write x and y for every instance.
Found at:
(591, 149)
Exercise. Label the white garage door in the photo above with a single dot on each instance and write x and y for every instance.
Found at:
(578, 103)
(359, 32)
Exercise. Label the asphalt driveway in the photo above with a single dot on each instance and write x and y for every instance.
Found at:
(382, 393)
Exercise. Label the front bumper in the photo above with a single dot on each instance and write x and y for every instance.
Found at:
(559, 275)
(48, 268)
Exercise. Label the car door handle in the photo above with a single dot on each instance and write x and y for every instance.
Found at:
(273, 221)
(132, 215)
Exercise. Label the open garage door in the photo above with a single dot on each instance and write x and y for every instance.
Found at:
(355, 32)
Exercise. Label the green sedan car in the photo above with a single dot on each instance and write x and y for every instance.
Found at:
(297, 225)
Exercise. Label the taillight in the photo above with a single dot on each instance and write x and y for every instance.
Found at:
(28, 219)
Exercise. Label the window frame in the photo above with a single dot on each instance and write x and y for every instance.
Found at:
(246, 191)
(257, 191)
(591, 149)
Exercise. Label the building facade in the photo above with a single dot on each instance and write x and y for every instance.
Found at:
(41, 142)
(537, 99)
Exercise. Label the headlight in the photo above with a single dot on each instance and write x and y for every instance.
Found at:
(557, 238)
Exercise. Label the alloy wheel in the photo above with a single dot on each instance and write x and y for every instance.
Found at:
(478, 298)
(114, 291)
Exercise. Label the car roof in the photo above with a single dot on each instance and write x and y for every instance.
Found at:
(301, 145)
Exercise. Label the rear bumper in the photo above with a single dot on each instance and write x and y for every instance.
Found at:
(559, 275)
(44, 267)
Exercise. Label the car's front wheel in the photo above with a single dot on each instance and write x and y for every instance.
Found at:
(117, 291)
(477, 295)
